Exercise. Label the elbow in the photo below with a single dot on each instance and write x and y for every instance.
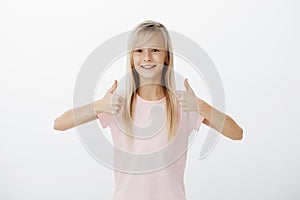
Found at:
(58, 125)
(239, 135)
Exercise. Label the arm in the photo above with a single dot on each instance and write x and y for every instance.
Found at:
(221, 122)
(109, 104)
(229, 129)
(77, 116)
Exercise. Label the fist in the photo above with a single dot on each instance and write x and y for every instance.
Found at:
(112, 103)
(187, 100)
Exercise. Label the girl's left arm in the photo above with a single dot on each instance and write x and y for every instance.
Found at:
(219, 121)
(213, 118)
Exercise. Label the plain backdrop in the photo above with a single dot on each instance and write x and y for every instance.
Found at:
(254, 45)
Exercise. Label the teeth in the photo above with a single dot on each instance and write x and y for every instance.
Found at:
(148, 66)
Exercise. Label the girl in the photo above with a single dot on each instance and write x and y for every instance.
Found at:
(150, 83)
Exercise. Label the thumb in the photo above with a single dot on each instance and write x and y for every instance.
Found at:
(187, 85)
(113, 87)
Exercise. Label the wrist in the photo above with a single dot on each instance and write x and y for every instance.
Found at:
(98, 105)
(203, 108)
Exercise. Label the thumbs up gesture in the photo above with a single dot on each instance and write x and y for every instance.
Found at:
(112, 103)
(187, 100)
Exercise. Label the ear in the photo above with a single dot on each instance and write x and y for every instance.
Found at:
(167, 58)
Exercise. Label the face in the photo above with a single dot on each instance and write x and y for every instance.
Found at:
(149, 60)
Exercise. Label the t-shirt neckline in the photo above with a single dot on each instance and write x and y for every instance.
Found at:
(148, 101)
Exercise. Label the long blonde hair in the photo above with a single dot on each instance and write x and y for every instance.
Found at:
(142, 33)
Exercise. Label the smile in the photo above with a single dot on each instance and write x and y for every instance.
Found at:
(148, 66)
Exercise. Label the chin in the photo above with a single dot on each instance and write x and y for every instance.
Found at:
(150, 79)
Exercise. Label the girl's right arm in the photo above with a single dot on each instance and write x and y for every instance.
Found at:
(109, 104)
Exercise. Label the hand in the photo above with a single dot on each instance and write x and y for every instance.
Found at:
(187, 100)
(112, 103)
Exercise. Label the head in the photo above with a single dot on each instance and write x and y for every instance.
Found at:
(149, 46)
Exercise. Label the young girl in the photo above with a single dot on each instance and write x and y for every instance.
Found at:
(150, 85)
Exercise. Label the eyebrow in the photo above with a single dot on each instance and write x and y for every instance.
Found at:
(150, 47)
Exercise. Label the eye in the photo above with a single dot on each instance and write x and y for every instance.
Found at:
(138, 50)
(155, 50)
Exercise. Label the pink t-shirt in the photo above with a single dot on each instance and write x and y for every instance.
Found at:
(164, 178)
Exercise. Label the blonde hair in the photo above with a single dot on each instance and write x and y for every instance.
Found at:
(142, 33)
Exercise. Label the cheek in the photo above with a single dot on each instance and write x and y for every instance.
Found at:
(135, 61)
(161, 58)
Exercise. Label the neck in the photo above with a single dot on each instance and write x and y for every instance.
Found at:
(151, 92)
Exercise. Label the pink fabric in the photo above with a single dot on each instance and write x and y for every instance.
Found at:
(163, 184)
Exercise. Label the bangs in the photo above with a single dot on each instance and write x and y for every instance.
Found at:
(142, 36)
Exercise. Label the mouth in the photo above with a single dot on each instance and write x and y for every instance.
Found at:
(148, 66)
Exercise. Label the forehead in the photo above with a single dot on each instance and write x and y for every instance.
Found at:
(150, 40)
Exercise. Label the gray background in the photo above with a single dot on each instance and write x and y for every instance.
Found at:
(255, 46)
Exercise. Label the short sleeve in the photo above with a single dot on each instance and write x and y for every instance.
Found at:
(104, 119)
(200, 119)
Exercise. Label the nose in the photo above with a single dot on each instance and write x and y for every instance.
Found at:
(147, 55)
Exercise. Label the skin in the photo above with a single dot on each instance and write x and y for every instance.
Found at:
(151, 53)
